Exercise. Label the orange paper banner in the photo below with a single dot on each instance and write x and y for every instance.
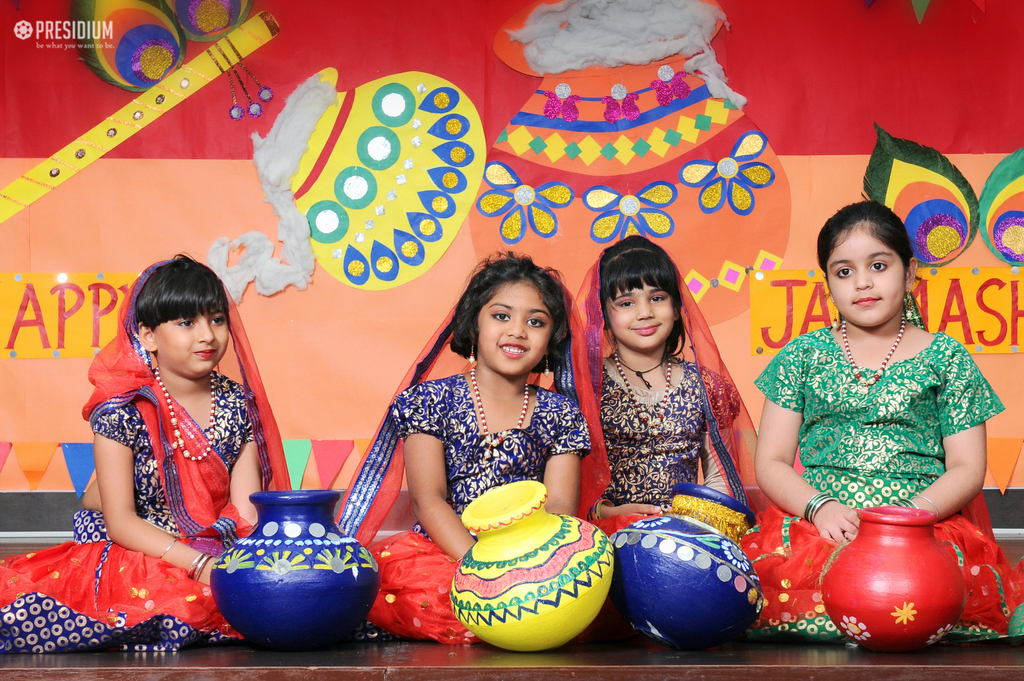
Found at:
(34, 458)
(1003, 453)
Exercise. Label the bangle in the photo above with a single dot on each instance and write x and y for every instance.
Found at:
(197, 565)
(173, 542)
(595, 510)
(815, 503)
(921, 496)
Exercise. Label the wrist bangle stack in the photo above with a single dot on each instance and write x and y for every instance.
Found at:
(169, 547)
(921, 496)
(595, 510)
(815, 503)
(198, 564)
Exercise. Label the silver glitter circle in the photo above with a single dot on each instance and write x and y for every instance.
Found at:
(563, 90)
(270, 529)
(327, 221)
(619, 92)
(356, 187)
(629, 205)
(524, 195)
(667, 546)
(317, 530)
(379, 148)
(393, 105)
(727, 167)
(665, 72)
(292, 530)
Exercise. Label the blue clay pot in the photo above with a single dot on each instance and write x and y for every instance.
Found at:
(683, 583)
(295, 583)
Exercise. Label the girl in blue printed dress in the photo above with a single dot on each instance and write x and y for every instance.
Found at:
(178, 449)
(466, 434)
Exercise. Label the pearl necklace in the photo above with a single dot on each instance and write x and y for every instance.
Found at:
(656, 421)
(179, 442)
(494, 440)
(864, 384)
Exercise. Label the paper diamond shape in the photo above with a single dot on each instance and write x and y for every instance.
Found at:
(641, 147)
(538, 145)
(703, 122)
(732, 276)
(657, 142)
(767, 262)
(572, 150)
(520, 140)
(717, 111)
(591, 150)
(688, 129)
(673, 137)
(556, 147)
(697, 285)
(609, 151)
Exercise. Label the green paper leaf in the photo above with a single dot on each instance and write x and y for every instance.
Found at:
(1009, 169)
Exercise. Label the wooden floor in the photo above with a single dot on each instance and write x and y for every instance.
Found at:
(633, 660)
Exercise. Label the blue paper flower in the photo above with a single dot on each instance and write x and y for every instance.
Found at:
(520, 204)
(623, 215)
(733, 178)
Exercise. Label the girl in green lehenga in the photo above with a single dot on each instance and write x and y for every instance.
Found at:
(909, 432)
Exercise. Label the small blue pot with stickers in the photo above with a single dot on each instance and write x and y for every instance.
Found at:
(297, 582)
(682, 579)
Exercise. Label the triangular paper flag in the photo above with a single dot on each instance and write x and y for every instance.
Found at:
(56, 477)
(1002, 458)
(296, 452)
(310, 477)
(919, 8)
(79, 459)
(5, 449)
(330, 456)
(34, 457)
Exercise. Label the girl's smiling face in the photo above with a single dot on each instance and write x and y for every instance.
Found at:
(641, 320)
(867, 279)
(513, 330)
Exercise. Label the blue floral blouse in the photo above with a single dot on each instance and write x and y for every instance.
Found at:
(444, 409)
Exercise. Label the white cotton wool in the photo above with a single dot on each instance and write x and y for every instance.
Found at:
(574, 34)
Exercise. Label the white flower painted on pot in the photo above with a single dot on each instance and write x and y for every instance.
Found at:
(934, 638)
(858, 631)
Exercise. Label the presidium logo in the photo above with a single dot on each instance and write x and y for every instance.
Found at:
(53, 31)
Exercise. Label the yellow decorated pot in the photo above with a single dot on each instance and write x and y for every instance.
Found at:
(534, 580)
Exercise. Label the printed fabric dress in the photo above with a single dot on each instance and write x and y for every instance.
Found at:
(647, 458)
(91, 594)
(416, 575)
(875, 449)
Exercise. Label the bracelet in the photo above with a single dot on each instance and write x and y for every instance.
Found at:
(595, 510)
(815, 503)
(921, 496)
(173, 542)
(197, 565)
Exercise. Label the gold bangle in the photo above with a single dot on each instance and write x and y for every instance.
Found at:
(173, 542)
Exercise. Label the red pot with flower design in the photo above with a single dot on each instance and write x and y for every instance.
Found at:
(894, 588)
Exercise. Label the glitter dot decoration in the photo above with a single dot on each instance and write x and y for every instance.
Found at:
(938, 231)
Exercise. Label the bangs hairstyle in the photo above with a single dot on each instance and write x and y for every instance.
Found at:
(181, 289)
(634, 263)
(502, 269)
(878, 221)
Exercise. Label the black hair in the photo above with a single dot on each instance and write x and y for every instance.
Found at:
(181, 289)
(502, 269)
(878, 220)
(636, 262)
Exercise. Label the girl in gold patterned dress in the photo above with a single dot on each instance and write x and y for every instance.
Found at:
(910, 432)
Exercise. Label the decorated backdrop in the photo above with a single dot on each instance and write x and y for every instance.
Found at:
(344, 165)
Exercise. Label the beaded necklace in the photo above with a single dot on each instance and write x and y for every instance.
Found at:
(864, 384)
(656, 421)
(494, 440)
(179, 442)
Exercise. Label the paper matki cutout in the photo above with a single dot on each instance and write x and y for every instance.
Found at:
(146, 42)
(389, 177)
(1001, 207)
(932, 197)
(128, 120)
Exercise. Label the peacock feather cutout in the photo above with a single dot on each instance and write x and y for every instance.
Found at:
(1002, 209)
(208, 20)
(931, 196)
(147, 43)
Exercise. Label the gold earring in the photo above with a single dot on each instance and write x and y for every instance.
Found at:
(472, 355)
(547, 366)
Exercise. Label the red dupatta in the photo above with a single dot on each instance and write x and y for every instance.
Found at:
(197, 492)
(730, 430)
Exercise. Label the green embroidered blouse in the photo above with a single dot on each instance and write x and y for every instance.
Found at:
(893, 433)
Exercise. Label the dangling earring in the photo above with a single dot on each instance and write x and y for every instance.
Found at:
(547, 366)
(911, 312)
(472, 355)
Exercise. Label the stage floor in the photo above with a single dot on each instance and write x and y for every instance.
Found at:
(633, 660)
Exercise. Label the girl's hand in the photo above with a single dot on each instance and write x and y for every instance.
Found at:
(837, 521)
(204, 576)
(607, 510)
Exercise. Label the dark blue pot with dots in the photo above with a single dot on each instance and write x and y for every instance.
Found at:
(681, 579)
(296, 582)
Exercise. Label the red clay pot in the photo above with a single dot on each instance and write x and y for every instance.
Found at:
(894, 588)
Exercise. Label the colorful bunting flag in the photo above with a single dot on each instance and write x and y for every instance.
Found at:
(1003, 453)
(330, 456)
(34, 458)
(296, 453)
(80, 462)
(56, 477)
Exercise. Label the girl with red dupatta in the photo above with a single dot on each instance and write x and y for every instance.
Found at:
(178, 447)
(457, 437)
